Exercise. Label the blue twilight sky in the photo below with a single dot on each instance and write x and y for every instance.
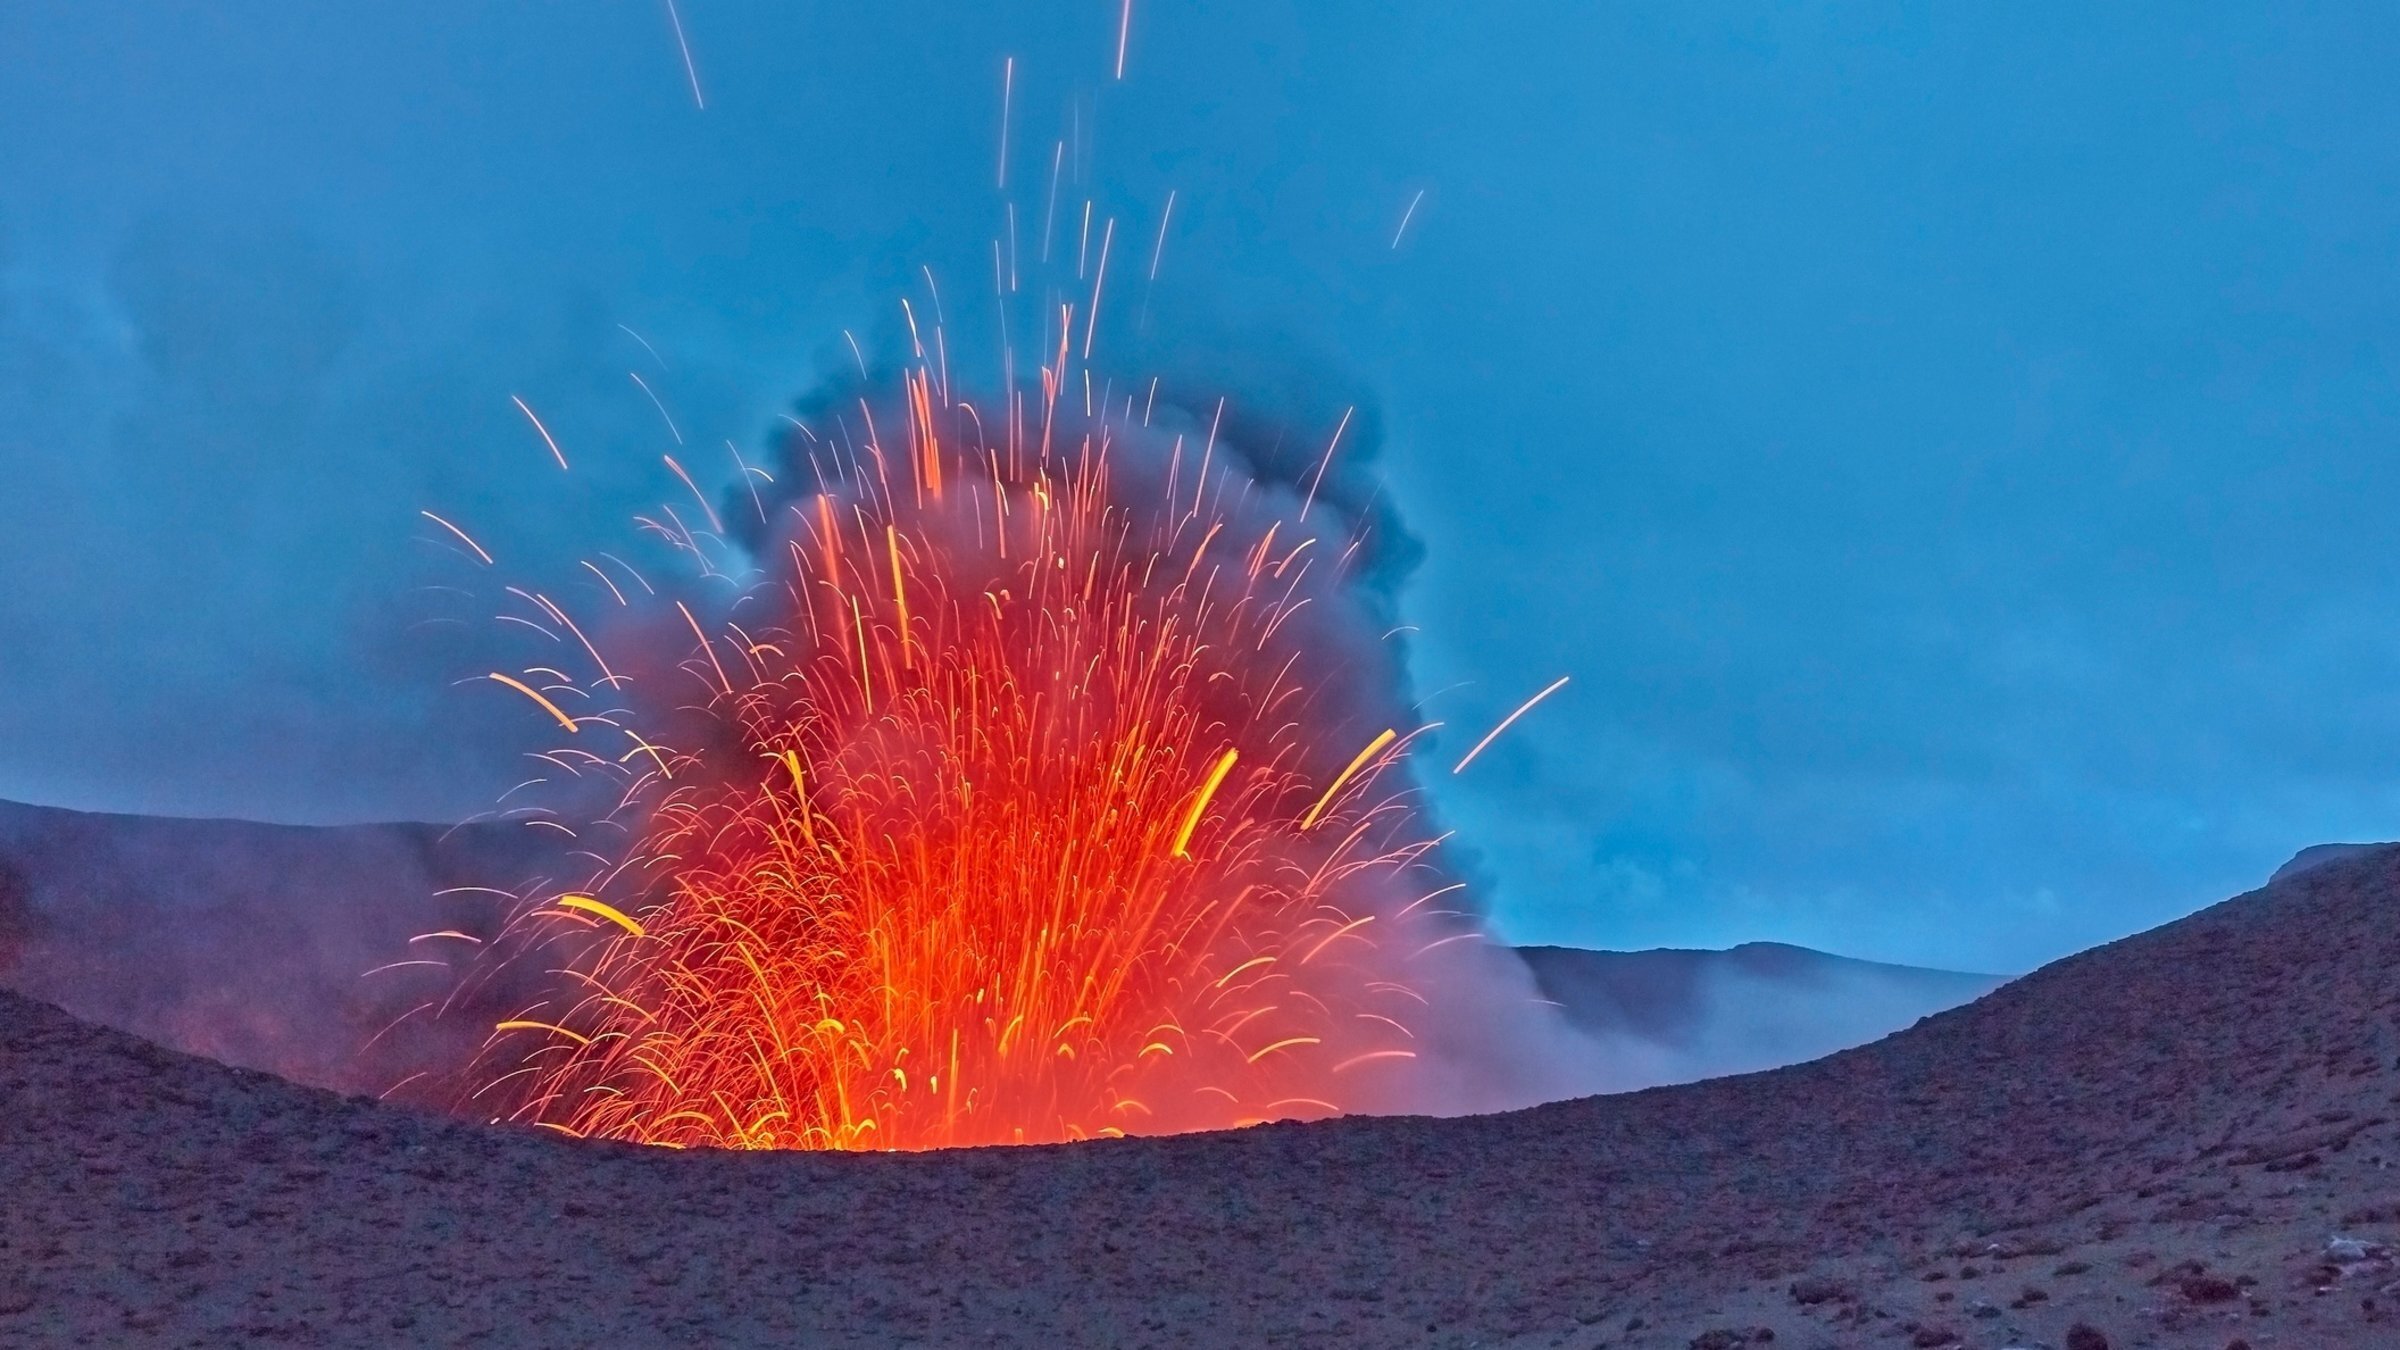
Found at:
(1951, 448)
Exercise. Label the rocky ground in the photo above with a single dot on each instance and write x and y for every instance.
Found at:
(2184, 1139)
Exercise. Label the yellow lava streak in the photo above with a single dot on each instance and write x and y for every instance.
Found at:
(602, 909)
(1216, 777)
(1309, 821)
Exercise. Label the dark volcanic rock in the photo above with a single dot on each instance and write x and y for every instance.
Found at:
(2317, 855)
(2060, 1115)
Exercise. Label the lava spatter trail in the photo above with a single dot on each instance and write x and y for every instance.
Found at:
(1045, 782)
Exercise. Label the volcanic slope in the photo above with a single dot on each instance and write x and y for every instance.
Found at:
(249, 943)
(2156, 1139)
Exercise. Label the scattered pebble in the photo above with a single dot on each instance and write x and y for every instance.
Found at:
(2084, 1336)
(2351, 1251)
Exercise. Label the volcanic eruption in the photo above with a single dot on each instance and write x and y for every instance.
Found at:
(1044, 776)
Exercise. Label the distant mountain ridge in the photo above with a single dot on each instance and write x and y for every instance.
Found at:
(1656, 991)
(1754, 1006)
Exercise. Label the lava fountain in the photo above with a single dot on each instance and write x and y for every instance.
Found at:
(1046, 780)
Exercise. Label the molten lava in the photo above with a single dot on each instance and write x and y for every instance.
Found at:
(1032, 791)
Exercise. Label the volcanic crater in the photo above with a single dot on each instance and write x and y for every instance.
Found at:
(2185, 1138)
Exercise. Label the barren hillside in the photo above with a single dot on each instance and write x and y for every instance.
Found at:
(2156, 1140)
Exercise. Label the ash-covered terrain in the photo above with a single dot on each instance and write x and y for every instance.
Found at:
(2183, 1139)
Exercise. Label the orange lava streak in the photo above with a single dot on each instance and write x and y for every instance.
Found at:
(530, 692)
(462, 536)
(1506, 723)
(547, 438)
